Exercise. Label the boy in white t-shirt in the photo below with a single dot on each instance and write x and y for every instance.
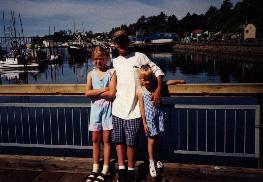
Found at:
(126, 116)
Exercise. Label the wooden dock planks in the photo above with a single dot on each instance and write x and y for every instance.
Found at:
(19, 168)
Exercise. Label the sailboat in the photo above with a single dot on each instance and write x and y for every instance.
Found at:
(16, 60)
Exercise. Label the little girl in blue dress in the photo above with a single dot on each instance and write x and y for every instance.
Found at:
(152, 115)
(101, 88)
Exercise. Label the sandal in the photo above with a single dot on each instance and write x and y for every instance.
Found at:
(92, 176)
(101, 177)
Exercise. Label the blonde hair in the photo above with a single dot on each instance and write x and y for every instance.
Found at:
(147, 74)
(99, 51)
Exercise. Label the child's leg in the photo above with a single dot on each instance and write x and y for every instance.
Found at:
(151, 151)
(153, 143)
(121, 154)
(131, 157)
(96, 139)
(159, 164)
(131, 163)
(107, 146)
(118, 138)
(132, 131)
(107, 149)
(151, 146)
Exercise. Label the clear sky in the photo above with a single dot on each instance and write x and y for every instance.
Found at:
(94, 15)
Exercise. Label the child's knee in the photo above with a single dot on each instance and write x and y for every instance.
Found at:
(96, 140)
(106, 140)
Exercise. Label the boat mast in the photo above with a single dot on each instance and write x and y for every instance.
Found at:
(14, 22)
(74, 28)
(4, 31)
(49, 42)
(22, 30)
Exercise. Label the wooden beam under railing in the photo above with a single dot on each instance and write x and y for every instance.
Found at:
(172, 90)
(217, 89)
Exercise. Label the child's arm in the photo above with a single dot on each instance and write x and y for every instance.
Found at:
(90, 92)
(156, 97)
(111, 92)
(140, 100)
(173, 82)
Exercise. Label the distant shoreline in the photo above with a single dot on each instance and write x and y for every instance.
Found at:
(240, 52)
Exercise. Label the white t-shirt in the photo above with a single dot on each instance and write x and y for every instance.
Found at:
(125, 105)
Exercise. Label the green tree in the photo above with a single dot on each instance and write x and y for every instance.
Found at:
(211, 17)
(224, 16)
(172, 24)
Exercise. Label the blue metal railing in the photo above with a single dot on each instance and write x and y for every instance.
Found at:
(47, 125)
(221, 130)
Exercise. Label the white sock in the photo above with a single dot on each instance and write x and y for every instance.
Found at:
(121, 167)
(95, 168)
(105, 169)
(151, 162)
(131, 169)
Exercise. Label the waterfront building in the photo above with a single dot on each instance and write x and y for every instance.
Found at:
(249, 32)
(161, 37)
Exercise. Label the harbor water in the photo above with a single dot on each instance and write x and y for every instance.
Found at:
(191, 67)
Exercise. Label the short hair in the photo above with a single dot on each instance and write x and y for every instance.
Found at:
(147, 73)
(99, 50)
(120, 34)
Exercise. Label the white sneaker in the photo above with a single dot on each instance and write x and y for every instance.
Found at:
(152, 170)
(159, 165)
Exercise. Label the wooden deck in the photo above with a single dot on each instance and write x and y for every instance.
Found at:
(14, 168)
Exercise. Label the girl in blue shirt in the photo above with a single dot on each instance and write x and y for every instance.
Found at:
(101, 86)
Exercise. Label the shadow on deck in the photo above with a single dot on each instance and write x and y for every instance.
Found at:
(71, 169)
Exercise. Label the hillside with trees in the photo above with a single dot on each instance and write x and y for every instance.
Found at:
(228, 18)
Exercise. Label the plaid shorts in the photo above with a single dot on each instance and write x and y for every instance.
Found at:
(126, 131)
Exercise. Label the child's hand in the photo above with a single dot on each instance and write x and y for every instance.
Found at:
(107, 89)
(146, 129)
(156, 97)
(182, 81)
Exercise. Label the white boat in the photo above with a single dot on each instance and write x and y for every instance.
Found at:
(15, 74)
(13, 62)
(54, 57)
(80, 48)
(10, 76)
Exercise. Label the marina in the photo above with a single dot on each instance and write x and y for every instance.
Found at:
(192, 67)
(212, 120)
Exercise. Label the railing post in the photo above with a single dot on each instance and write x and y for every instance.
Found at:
(260, 159)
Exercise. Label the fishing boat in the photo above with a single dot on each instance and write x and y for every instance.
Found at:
(16, 62)
(16, 74)
(80, 49)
